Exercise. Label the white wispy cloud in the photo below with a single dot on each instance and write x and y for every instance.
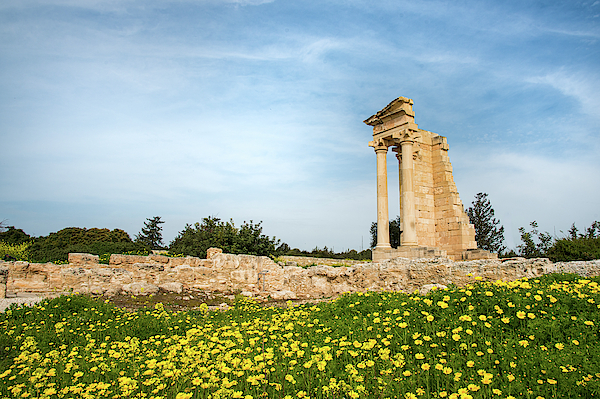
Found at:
(580, 85)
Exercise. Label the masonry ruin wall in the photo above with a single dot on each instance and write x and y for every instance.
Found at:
(260, 276)
(432, 216)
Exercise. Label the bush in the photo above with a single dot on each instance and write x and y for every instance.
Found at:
(56, 246)
(12, 252)
(328, 253)
(577, 246)
(566, 250)
(14, 236)
(248, 239)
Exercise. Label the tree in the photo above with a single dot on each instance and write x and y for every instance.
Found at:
(489, 234)
(212, 232)
(534, 244)
(395, 233)
(151, 234)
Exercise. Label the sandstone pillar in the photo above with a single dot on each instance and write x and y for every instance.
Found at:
(383, 224)
(408, 215)
(398, 151)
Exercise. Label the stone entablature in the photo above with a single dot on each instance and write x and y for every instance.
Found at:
(227, 272)
(431, 212)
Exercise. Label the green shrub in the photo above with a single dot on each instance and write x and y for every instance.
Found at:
(317, 252)
(565, 250)
(56, 246)
(576, 246)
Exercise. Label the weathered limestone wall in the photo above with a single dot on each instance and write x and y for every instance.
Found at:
(3, 280)
(441, 219)
(226, 272)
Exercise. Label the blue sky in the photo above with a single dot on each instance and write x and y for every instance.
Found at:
(112, 112)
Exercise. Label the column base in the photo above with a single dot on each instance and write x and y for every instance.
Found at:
(412, 252)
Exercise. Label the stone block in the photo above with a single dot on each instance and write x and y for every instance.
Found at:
(149, 267)
(81, 259)
(211, 252)
(427, 288)
(140, 288)
(283, 295)
(158, 258)
(176, 287)
(3, 281)
(126, 260)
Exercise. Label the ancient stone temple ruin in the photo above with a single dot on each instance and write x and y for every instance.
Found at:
(433, 220)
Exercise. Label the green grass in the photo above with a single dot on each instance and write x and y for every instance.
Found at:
(525, 339)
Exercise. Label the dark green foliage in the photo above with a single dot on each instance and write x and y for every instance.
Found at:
(56, 246)
(329, 253)
(14, 236)
(395, 233)
(151, 234)
(248, 239)
(576, 246)
(584, 246)
(489, 234)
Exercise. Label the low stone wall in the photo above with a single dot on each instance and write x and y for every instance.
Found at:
(259, 275)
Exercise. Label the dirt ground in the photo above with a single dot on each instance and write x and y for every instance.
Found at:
(188, 299)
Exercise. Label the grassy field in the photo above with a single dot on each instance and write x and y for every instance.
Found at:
(523, 339)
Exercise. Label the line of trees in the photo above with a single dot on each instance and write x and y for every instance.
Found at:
(489, 234)
(248, 238)
(193, 240)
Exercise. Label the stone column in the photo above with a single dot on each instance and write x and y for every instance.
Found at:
(398, 151)
(383, 223)
(408, 217)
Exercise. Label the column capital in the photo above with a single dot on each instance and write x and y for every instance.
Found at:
(379, 145)
(408, 136)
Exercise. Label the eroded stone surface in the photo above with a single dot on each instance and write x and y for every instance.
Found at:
(3, 280)
(172, 287)
(140, 288)
(260, 276)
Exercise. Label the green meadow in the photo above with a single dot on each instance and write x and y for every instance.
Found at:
(522, 339)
